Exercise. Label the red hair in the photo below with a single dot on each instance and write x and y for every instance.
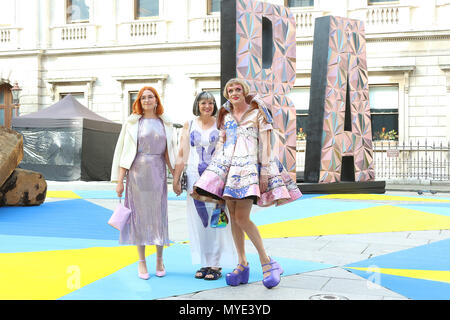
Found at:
(137, 106)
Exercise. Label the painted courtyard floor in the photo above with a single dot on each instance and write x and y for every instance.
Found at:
(356, 247)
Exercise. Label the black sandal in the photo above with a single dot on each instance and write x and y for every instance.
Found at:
(216, 274)
(204, 271)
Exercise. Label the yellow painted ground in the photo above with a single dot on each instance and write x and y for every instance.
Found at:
(63, 194)
(377, 219)
(433, 275)
(380, 197)
(49, 275)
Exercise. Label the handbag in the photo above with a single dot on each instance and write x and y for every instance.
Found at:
(219, 218)
(183, 178)
(120, 216)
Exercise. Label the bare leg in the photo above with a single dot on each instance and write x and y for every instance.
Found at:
(238, 234)
(242, 218)
(159, 258)
(242, 224)
(142, 267)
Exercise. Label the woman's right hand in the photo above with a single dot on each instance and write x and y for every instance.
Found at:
(177, 188)
(119, 189)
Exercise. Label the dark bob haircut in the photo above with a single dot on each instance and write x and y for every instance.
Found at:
(204, 95)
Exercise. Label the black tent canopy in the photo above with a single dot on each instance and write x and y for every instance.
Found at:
(67, 142)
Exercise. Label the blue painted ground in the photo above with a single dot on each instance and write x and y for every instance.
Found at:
(79, 224)
(433, 256)
(125, 284)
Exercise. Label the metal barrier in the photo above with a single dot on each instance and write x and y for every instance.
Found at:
(402, 161)
(412, 161)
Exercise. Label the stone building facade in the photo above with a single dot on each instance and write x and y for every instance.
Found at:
(104, 51)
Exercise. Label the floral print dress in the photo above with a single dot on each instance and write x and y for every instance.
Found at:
(235, 169)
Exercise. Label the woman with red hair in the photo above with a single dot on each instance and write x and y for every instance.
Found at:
(145, 146)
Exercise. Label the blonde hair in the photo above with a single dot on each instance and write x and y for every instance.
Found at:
(241, 82)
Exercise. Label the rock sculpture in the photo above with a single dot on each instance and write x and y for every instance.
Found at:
(18, 187)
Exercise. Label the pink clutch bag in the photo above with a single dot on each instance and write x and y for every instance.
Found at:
(120, 216)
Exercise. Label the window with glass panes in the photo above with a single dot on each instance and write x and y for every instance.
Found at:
(213, 6)
(132, 96)
(384, 101)
(300, 98)
(146, 8)
(77, 11)
(299, 3)
(79, 96)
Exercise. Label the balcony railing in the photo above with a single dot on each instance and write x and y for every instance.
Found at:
(73, 35)
(383, 15)
(379, 20)
(5, 35)
(205, 28)
(305, 21)
(388, 18)
(142, 32)
(143, 29)
(9, 38)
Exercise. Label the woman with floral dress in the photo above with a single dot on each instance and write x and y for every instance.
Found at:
(243, 172)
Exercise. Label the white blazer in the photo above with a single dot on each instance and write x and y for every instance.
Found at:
(126, 147)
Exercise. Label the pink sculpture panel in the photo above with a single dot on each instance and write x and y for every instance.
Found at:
(347, 78)
(275, 82)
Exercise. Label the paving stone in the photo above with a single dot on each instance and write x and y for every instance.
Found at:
(362, 287)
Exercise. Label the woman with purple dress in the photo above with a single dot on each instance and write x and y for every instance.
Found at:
(243, 172)
(209, 233)
(144, 147)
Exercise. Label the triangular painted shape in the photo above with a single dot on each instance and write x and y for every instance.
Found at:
(48, 275)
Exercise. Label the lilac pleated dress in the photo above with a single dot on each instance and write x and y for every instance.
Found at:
(146, 188)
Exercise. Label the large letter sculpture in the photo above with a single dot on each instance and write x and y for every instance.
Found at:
(258, 45)
(339, 142)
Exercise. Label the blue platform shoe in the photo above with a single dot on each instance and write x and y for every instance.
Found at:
(241, 277)
(275, 274)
